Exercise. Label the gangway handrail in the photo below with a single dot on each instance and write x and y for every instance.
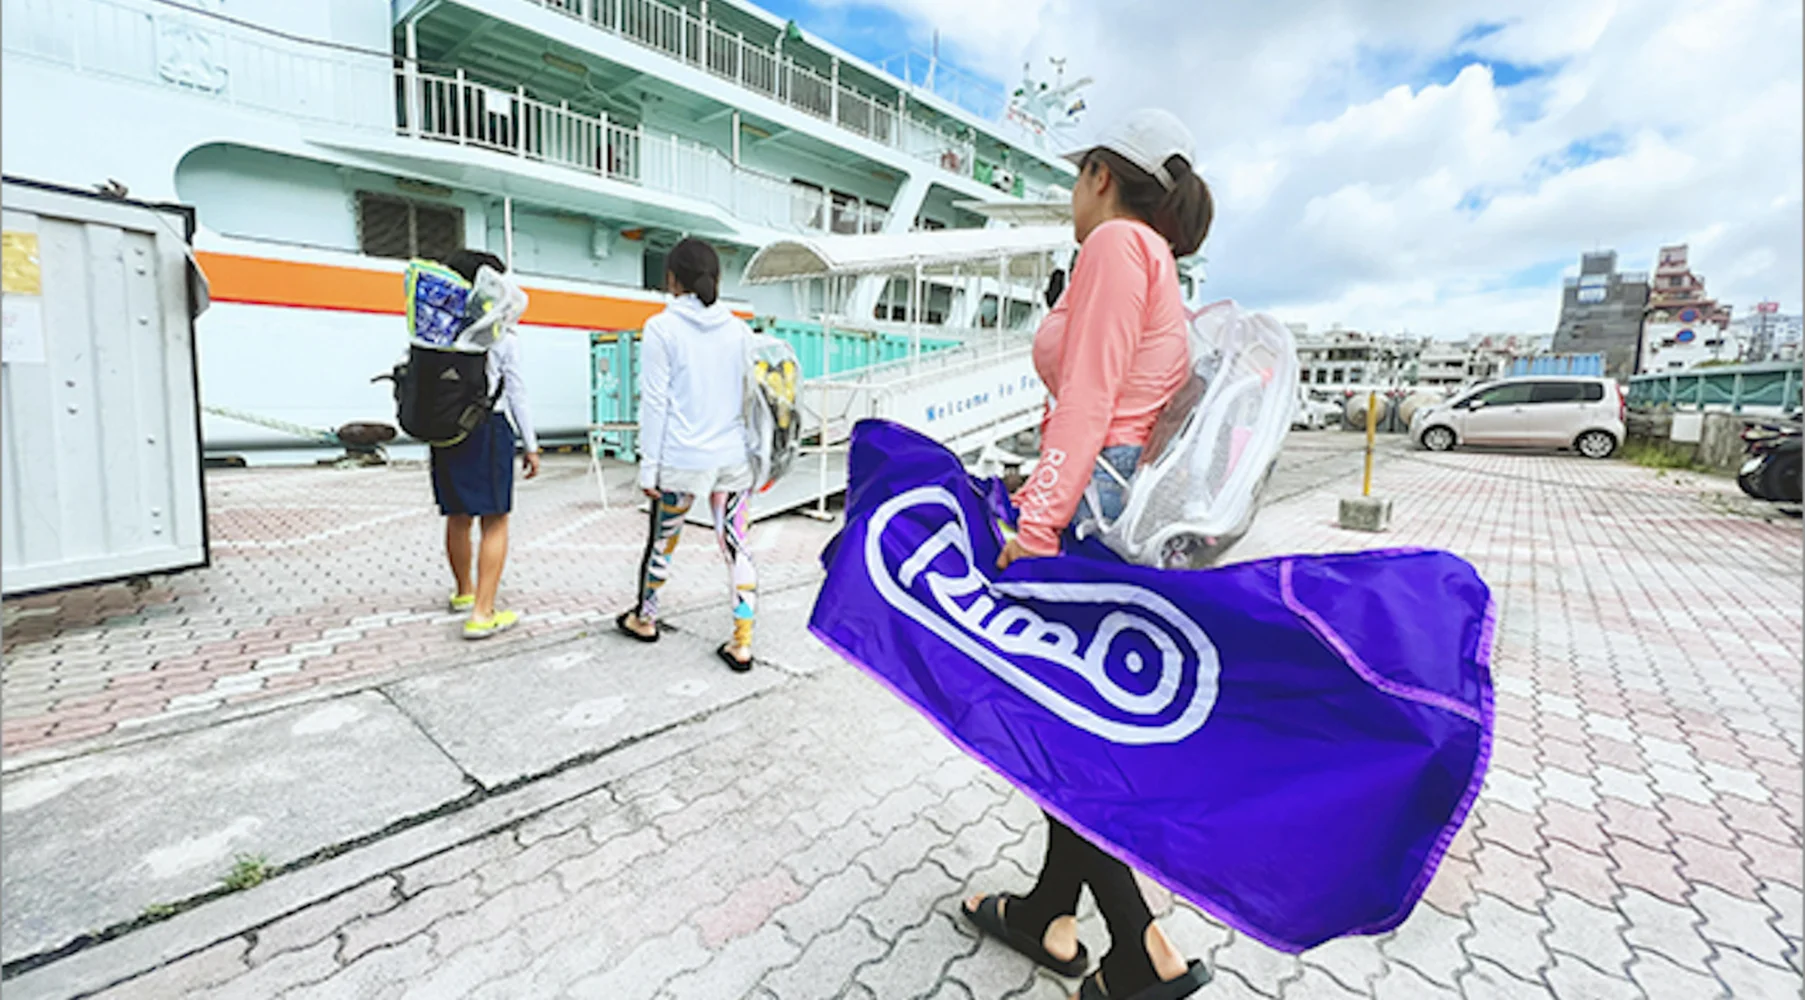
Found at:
(1007, 254)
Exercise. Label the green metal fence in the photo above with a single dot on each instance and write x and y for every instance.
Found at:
(1773, 385)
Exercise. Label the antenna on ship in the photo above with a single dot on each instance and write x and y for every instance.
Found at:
(934, 59)
(1042, 112)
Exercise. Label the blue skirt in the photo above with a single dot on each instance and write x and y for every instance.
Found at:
(476, 475)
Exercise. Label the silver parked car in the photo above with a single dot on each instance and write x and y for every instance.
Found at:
(1584, 413)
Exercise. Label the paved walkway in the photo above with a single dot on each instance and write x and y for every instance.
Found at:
(336, 577)
(1639, 835)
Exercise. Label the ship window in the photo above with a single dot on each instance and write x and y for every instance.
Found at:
(846, 213)
(396, 227)
(652, 270)
(808, 205)
(876, 217)
(893, 303)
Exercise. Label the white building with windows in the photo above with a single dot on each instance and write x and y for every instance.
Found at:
(1338, 359)
(1767, 334)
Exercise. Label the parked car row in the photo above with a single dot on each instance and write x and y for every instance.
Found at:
(1585, 414)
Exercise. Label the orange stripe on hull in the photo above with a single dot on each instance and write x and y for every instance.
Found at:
(296, 285)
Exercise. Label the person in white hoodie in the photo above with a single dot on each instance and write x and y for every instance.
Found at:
(693, 439)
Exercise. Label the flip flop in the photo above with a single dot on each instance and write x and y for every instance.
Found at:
(1194, 979)
(627, 630)
(733, 662)
(988, 917)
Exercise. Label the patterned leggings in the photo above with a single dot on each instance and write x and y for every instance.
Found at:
(730, 517)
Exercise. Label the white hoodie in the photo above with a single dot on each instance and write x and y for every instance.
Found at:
(692, 385)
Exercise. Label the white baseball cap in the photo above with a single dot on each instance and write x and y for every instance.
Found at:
(1147, 139)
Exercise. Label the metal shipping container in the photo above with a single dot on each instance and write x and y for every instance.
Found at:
(1558, 364)
(100, 448)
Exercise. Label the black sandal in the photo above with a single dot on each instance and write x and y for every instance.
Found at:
(630, 632)
(988, 917)
(1194, 979)
(733, 662)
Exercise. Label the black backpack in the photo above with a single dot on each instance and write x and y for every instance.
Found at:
(441, 396)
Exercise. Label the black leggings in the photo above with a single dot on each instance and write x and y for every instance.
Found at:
(1073, 863)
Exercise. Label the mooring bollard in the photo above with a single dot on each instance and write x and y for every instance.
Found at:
(1367, 512)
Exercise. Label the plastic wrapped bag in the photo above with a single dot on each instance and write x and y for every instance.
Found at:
(437, 298)
(495, 303)
(448, 313)
(1201, 473)
(773, 376)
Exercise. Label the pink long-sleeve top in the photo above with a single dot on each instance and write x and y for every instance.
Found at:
(1112, 353)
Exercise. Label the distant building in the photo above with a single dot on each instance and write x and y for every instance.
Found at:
(1348, 359)
(1443, 365)
(1602, 312)
(1489, 355)
(1768, 335)
(1685, 327)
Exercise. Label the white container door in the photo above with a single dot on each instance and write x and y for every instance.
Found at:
(100, 455)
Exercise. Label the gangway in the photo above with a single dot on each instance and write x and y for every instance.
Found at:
(967, 397)
(978, 389)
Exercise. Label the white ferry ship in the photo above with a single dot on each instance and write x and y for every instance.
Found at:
(325, 143)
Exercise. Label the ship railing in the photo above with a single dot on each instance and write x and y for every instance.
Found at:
(171, 47)
(918, 69)
(701, 43)
(909, 389)
(457, 109)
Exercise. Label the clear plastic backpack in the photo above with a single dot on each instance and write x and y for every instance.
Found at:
(447, 313)
(1201, 473)
(773, 377)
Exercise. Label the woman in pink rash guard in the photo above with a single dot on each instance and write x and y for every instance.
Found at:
(1113, 352)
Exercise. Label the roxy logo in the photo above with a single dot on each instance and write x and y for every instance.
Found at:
(941, 586)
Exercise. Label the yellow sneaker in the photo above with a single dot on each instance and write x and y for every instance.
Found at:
(463, 602)
(502, 621)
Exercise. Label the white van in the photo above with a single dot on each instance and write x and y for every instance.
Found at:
(1584, 413)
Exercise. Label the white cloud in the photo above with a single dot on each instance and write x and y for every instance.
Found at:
(1343, 191)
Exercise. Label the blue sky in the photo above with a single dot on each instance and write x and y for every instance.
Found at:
(874, 34)
(1365, 175)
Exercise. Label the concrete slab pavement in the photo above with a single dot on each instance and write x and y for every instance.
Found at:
(521, 716)
(94, 841)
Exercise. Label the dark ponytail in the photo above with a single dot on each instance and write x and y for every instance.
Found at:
(1181, 215)
(697, 269)
(466, 263)
(1185, 213)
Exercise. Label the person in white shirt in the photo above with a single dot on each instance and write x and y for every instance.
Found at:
(473, 480)
(693, 439)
